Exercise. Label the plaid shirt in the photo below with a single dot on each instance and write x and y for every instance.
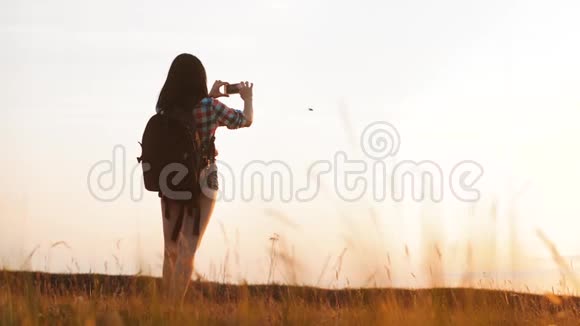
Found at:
(212, 113)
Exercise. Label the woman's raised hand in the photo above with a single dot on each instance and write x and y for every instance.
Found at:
(215, 89)
(246, 90)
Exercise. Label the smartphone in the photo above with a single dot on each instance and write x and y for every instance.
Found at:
(232, 89)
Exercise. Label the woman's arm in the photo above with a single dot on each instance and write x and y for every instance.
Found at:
(233, 119)
(246, 93)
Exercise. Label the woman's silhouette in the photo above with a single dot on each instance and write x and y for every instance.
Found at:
(185, 95)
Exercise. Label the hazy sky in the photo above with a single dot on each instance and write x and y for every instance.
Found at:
(495, 82)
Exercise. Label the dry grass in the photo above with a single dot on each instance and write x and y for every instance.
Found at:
(29, 298)
(35, 298)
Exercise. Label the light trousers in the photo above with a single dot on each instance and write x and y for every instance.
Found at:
(179, 254)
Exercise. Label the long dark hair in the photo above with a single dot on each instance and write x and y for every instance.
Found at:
(185, 86)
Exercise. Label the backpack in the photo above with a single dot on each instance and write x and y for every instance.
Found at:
(172, 159)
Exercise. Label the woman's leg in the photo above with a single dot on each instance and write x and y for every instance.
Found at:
(188, 243)
(169, 213)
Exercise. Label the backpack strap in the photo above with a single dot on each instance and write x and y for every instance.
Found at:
(178, 223)
(193, 210)
(207, 152)
(166, 213)
(196, 220)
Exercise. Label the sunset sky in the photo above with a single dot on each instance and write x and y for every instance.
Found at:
(495, 82)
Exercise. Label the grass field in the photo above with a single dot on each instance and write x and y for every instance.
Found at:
(30, 298)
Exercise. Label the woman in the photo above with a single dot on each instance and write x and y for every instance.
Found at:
(185, 95)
